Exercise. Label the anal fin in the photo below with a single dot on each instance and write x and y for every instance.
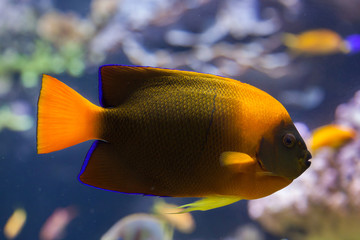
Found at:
(208, 203)
(104, 169)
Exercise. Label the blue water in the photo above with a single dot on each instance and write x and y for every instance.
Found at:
(42, 183)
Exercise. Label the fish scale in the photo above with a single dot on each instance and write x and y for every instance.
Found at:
(166, 138)
(181, 143)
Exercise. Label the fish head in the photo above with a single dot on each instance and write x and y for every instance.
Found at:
(283, 152)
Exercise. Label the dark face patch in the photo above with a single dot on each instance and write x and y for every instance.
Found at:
(283, 152)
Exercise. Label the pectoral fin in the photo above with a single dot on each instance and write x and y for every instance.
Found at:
(208, 203)
(237, 161)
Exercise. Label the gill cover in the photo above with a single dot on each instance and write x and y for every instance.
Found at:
(283, 152)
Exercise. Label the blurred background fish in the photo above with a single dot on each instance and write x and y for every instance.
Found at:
(321, 42)
(15, 223)
(332, 135)
(55, 225)
(316, 42)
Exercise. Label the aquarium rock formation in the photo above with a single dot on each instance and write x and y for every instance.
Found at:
(324, 202)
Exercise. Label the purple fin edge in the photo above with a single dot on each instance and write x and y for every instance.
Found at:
(86, 161)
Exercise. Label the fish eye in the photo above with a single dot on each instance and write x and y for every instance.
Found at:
(289, 140)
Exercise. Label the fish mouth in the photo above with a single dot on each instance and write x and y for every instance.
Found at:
(305, 161)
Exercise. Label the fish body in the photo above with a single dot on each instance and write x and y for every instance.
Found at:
(316, 42)
(176, 133)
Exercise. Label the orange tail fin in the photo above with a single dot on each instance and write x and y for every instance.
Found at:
(65, 118)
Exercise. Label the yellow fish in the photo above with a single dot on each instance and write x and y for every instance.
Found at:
(15, 223)
(175, 133)
(316, 42)
(331, 135)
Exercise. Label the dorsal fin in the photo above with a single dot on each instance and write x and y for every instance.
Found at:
(118, 82)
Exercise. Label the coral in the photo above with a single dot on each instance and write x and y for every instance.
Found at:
(183, 222)
(247, 232)
(230, 38)
(62, 29)
(136, 226)
(323, 203)
(37, 39)
(159, 225)
(205, 48)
